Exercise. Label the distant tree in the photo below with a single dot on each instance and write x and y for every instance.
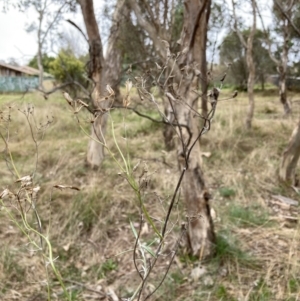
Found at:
(12, 61)
(49, 14)
(66, 68)
(71, 38)
(280, 41)
(248, 46)
(219, 19)
(231, 51)
(140, 52)
(46, 61)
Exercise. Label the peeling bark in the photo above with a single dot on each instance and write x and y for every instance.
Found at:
(168, 131)
(201, 235)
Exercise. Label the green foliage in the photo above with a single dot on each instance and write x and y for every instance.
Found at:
(222, 294)
(261, 292)
(226, 192)
(178, 277)
(177, 26)
(293, 11)
(67, 68)
(294, 285)
(46, 61)
(106, 267)
(232, 51)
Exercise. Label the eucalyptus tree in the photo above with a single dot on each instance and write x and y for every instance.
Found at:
(232, 51)
(192, 44)
(290, 156)
(248, 46)
(280, 40)
(49, 15)
(102, 70)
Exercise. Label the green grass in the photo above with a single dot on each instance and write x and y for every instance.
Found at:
(14, 271)
(103, 270)
(228, 249)
(248, 216)
(222, 294)
(88, 210)
(227, 192)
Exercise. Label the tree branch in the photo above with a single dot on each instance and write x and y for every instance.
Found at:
(272, 57)
(78, 28)
(287, 17)
(236, 27)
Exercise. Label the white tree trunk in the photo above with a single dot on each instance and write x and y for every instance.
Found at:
(102, 76)
(95, 153)
(201, 236)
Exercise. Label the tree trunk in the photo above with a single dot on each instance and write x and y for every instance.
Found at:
(290, 158)
(248, 46)
(201, 235)
(39, 55)
(168, 131)
(204, 80)
(41, 68)
(282, 70)
(251, 69)
(282, 91)
(113, 59)
(95, 152)
(262, 82)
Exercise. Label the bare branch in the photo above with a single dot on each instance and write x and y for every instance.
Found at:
(287, 16)
(238, 32)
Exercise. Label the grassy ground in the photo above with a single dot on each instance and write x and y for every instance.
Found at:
(258, 240)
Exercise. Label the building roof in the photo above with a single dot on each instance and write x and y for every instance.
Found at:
(24, 69)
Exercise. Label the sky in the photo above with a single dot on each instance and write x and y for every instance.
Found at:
(16, 43)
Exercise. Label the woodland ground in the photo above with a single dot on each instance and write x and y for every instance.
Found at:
(258, 239)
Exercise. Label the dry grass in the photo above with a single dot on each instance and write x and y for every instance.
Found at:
(257, 248)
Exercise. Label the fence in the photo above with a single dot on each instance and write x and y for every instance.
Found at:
(18, 83)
